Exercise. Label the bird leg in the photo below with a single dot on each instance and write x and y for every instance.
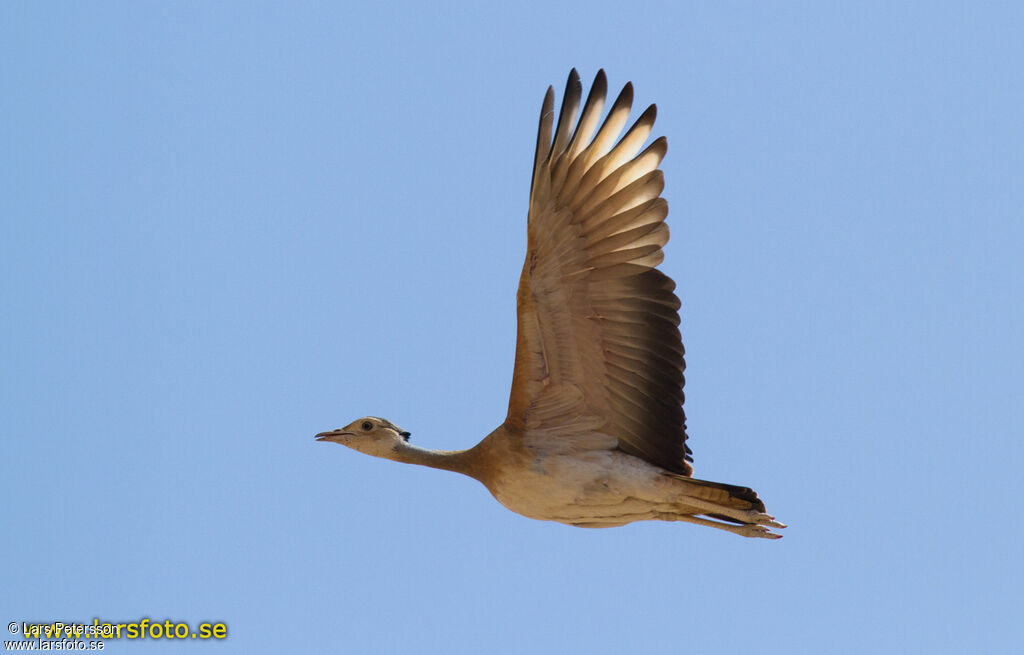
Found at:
(751, 516)
(745, 530)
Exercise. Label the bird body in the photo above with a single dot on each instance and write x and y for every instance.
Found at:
(591, 484)
(595, 434)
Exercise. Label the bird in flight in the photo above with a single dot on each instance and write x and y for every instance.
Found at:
(595, 434)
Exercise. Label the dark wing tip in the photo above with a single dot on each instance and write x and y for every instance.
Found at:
(573, 90)
(648, 117)
(567, 114)
(626, 94)
(599, 89)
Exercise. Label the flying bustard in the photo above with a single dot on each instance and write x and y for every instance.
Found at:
(595, 434)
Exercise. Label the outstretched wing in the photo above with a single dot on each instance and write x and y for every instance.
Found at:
(598, 342)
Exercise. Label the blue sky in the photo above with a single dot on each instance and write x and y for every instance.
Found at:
(225, 227)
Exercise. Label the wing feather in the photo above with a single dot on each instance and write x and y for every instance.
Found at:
(598, 347)
(598, 226)
(570, 105)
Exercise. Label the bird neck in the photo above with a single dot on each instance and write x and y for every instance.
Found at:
(448, 460)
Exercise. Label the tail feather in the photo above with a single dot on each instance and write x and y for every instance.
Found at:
(724, 506)
(729, 495)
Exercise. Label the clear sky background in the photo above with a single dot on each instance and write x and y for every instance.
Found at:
(225, 227)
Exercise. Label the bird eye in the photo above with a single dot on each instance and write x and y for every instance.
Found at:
(367, 426)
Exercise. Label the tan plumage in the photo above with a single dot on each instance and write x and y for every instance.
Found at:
(595, 434)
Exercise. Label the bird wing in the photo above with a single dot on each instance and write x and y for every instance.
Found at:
(598, 345)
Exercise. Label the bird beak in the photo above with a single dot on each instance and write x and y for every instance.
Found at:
(333, 435)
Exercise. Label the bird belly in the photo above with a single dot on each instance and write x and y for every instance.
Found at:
(592, 489)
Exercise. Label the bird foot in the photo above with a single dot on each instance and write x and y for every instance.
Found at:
(761, 518)
(744, 530)
(761, 531)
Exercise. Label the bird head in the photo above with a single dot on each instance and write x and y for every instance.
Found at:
(371, 435)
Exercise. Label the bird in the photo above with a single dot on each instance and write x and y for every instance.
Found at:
(595, 434)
